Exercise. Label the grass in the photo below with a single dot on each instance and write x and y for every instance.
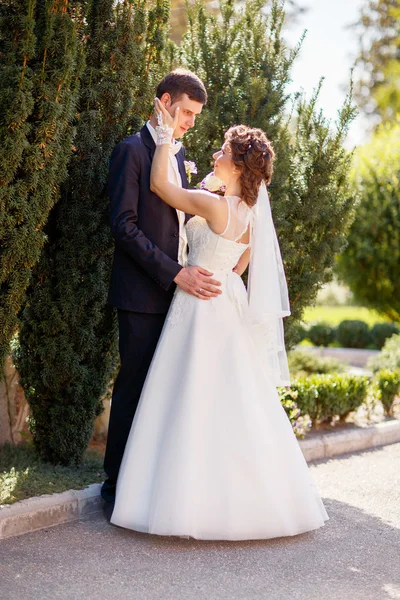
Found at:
(23, 474)
(335, 314)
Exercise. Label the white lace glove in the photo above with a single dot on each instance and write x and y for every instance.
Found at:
(164, 131)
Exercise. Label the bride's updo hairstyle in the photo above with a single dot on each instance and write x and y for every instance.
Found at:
(252, 153)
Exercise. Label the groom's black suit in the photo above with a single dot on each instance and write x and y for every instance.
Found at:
(146, 234)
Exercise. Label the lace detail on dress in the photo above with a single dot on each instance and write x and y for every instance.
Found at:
(180, 304)
(198, 233)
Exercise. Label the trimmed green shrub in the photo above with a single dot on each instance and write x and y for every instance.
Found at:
(321, 334)
(305, 363)
(299, 333)
(389, 356)
(300, 423)
(323, 397)
(353, 334)
(387, 384)
(381, 332)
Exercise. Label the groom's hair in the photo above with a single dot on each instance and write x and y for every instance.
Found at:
(181, 82)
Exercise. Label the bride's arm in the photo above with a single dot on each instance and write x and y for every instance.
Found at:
(194, 202)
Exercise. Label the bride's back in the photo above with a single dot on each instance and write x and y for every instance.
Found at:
(219, 252)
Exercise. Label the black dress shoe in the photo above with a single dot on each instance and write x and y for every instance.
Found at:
(108, 508)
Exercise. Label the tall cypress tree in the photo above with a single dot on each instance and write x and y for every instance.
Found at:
(68, 334)
(245, 66)
(41, 60)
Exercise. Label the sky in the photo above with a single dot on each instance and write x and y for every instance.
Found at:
(329, 51)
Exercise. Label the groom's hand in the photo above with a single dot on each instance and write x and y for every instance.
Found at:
(198, 282)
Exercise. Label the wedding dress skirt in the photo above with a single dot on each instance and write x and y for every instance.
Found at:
(211, 453)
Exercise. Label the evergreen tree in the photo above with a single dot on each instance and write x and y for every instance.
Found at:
(378, 87)
(40, 64)
(68, 334)
(245, 66)
(370, 265)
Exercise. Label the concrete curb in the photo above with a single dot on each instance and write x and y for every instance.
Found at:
(54, 509)
(48, 510)
(340, 442)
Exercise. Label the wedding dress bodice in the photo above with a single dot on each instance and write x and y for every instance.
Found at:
(218, 252)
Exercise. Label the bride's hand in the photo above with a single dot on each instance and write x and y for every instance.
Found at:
(167, 119)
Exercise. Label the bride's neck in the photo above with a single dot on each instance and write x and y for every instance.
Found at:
(233, 189)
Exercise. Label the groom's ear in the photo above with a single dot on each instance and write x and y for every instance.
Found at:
(166, 100)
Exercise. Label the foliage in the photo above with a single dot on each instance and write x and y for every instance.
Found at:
(321, 334)
(23, 474)
(68, 334)
(380, 332)
(245, 65)
(306, 363)
(325, 396)
(378, 90)
(300, 423)
(353, 334)
(40, 64)
(335, 314)
(299, 332)
(387, 384)
(350, 334)
(389, 357)
(370, 265)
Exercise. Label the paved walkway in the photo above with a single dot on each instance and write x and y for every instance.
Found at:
(356, 556)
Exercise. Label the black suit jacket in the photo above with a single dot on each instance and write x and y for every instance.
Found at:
(145, 229)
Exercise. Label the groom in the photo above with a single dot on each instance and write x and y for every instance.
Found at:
(149, 258)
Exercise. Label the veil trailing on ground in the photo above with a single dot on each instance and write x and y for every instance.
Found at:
(267, 290)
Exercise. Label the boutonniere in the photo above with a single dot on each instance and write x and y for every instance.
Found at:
(212, 183)
(190, 168)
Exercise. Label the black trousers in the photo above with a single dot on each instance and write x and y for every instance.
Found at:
(138, 337)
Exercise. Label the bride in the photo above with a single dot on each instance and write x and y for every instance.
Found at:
(211, 453)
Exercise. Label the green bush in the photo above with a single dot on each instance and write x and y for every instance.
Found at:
(380, 332)
(305, 363)
(389, 356)
(370, 264)
(324, 396)
(321, 334)
(353, 334)
(387, 385)
(299, 333)
(300, 423)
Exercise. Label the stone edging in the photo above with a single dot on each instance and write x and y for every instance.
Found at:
(48, 510)
(340, 442)
(54, 509)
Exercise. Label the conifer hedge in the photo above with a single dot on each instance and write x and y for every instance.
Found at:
(68, 334)
(41, 61)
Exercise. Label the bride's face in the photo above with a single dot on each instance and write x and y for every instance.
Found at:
(223, 164)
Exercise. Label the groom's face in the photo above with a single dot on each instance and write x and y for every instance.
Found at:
(188, 111)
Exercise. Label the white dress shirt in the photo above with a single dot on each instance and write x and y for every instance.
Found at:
(175, 177)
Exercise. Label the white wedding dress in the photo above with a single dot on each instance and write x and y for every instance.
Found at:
(211, 453)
